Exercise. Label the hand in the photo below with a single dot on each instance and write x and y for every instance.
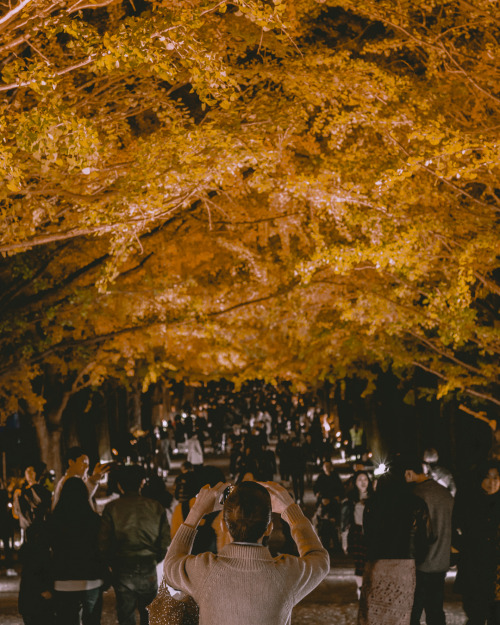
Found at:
(99, 471)
(207, 500)
(280, 497)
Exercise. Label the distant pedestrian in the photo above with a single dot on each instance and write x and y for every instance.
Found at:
(266, 464)
(283, 451)
(185, 483)
(298, 469)
(357, 439)
(194, 451)
(328, 484)
(162, 452)
(326, 522)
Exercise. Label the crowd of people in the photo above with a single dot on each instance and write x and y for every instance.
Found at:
(400, 528)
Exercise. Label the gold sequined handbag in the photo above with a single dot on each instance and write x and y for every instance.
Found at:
(167, 610)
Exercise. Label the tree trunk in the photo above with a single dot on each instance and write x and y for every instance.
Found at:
(134, 408)
(48, 427)
(103, 437)
(49, 442)
(374, 438)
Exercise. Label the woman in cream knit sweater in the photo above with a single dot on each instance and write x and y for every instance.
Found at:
(243, 584)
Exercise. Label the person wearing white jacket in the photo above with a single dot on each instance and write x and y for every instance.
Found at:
(194, 451)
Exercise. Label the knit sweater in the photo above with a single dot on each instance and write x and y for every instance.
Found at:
(243, 583)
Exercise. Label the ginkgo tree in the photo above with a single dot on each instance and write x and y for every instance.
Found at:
(290, 190)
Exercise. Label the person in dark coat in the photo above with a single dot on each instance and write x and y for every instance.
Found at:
(32, 503)
(77, 568)
(326, 522)
(431, 573)
(477, 522)
(7, 530)
(398, 533)
(266, 463)
(133, 539)
(328, 484)
(283, 451)
(353, 540)
(35, 600)
(185, 484)
(298, 469)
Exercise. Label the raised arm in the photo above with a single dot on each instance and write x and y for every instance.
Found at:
(313, 562)
(176, 569)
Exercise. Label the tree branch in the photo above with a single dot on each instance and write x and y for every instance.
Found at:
(441, 178)
(467, 390)
(444, 353)
(78, 7)
(15, 42)
(480, 415)
(464, 73)
(83, 232)
(60, 72)
(13, 12)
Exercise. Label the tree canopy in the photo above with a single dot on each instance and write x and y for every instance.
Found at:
(287, 189)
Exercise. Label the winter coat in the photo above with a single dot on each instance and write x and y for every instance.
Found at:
(134, 530)
(397, 526)
(75, 554)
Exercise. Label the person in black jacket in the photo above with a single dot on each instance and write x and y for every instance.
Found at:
(35, 600)
(477, 523)
(398, 533)
(77, 567)
(32, 502)
(134, 537)
(328, 484)
(7, 530)
(185, 483)
(297, 469)
(352, 512)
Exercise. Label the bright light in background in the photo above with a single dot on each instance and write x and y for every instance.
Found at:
(380, 469)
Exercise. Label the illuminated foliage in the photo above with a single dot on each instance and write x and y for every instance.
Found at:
(295, 189)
